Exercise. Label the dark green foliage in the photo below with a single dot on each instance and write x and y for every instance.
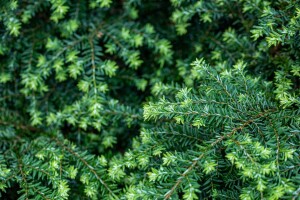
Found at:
(98, 99)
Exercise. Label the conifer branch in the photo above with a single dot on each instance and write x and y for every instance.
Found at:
(91, 169)
(195, 161)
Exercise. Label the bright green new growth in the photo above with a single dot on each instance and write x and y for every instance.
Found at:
(98, 99)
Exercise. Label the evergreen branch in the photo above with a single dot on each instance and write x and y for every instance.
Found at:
(195, 161)
(87, 165)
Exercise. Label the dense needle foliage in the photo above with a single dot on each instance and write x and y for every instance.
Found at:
(137, 99)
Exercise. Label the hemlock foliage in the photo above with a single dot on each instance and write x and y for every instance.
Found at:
(222, 138)
(99, 99)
